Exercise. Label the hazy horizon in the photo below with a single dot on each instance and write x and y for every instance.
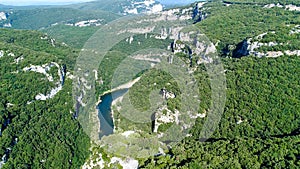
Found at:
(41, 2)
(65, 2)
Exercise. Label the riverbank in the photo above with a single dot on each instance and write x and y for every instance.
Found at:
(105, 103)
(123, 86)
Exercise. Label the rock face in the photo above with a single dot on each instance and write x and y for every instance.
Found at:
(4, 20)
(163, 116)
(241, 50)
(5, 157)
(255, 43)
(3, 16)
(197, 14)
(93, 22)
(290, 7)
(226, 51)
(142, 6)
(177, 46)
(166, 94)
(1, 53)
(44, 69)
(63, 74)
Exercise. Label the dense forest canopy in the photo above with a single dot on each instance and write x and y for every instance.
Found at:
(37, 134)
(260, 123)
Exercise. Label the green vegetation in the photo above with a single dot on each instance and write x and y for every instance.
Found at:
(142, 96)
(32, 41)
(44, 17)
(236, 153)
(153, 80)
(135, 145)
(259, 127)
(71, 35)
(114, 6)
(231, 25)
(118, 53)
(263, 2)
(39, 134)
(164, 127)
(54, 20)
(262, 93)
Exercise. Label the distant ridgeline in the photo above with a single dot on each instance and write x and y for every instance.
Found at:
(72, 26)
(262, 2)
(93, 13)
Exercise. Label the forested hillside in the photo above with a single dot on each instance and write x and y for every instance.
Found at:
(263, 2)
(37, 132)
(257, 43)
(65, 24)
(228, 25)
(73, 24)
(260, 127)
(35, 18)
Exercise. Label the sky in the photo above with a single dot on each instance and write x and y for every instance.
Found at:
(39, 2)
(63, 2)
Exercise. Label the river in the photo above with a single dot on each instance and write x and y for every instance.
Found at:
(105, 115)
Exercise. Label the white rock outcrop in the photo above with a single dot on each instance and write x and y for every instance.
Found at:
(95, 163)
(1, 53)
(286, 7)
(44, 70)
(290, 53)
(127, 133)
(127, 163)
(7, 25)
(19, 59)
(273, 5)
(144, 6)
(163, 116)
(3, 16)
(292, 8)
(93, 22)
(295, 30)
